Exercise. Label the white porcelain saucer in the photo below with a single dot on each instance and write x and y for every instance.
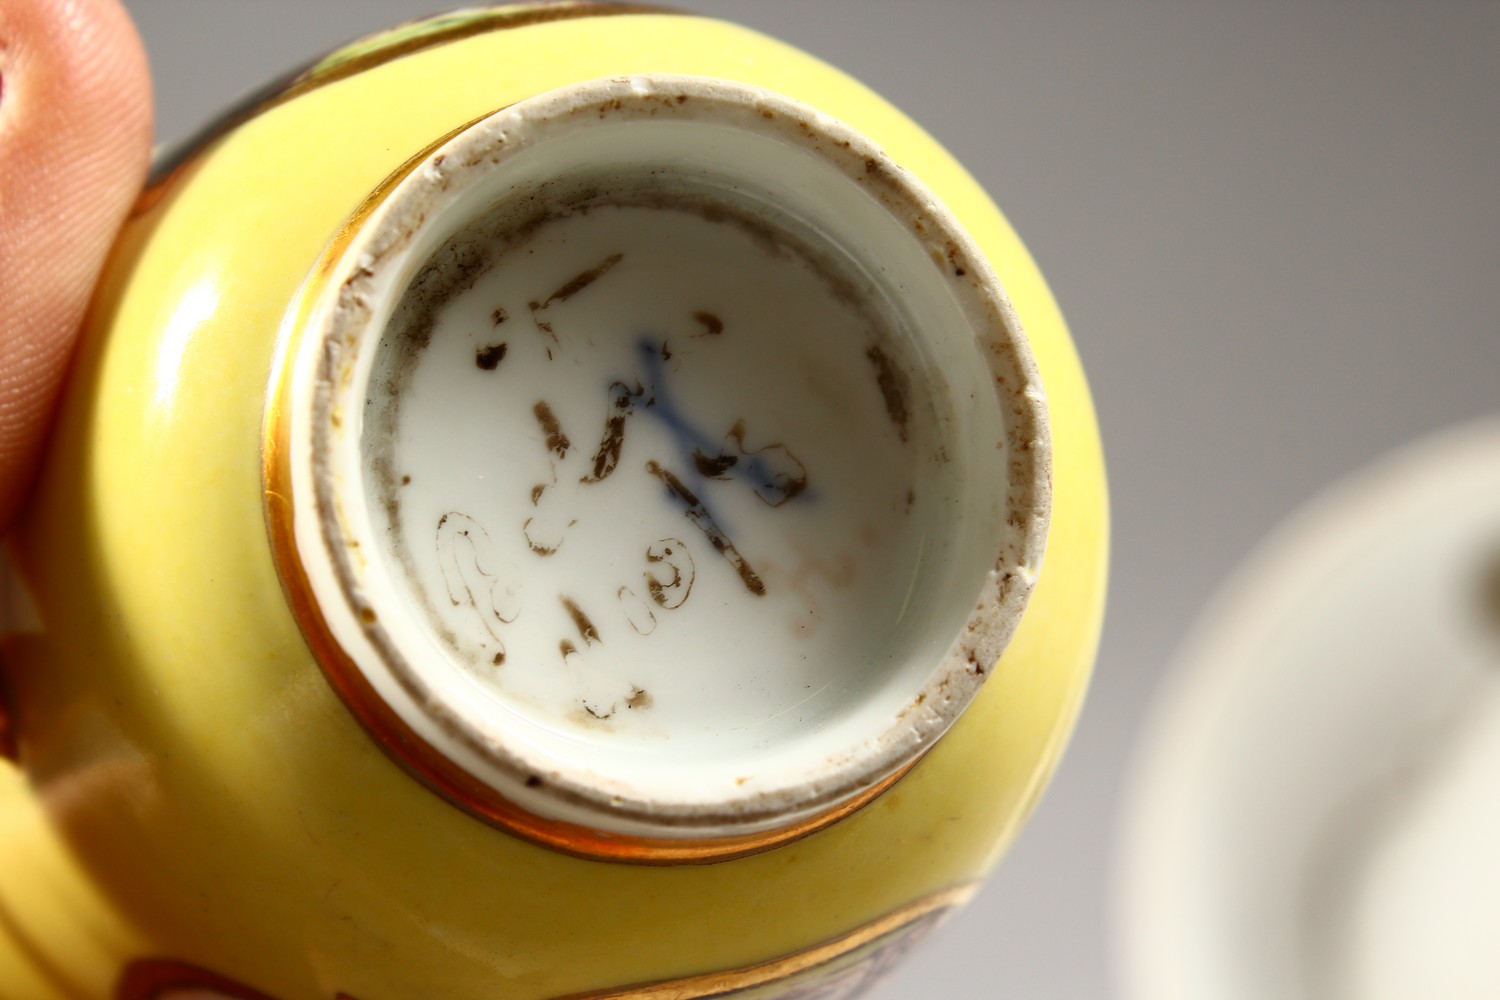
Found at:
(1315, 809)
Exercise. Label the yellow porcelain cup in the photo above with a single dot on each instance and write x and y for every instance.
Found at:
(551, 503)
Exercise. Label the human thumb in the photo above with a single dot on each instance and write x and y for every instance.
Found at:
(75, 135)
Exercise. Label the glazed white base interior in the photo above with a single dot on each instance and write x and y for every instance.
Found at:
(675, 464)
(673, 504)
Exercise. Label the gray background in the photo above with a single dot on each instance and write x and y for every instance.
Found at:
(1275, 230)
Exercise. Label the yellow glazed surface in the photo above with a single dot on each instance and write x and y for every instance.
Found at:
(194, 789)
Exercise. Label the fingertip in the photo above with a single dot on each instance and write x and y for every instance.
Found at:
(75, 136)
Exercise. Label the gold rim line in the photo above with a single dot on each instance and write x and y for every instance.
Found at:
(768, 973)
(347, 60)
(403, 745)
(149, 978)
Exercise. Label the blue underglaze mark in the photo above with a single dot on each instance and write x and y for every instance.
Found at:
(773, 487)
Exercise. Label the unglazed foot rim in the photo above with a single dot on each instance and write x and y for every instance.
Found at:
(660, 457)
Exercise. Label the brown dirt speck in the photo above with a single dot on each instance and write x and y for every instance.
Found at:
(956, 261)
(489, 357)
(581, 621)
(712, 324)
(540, 548)
(892, 383)
(699, 516)
(557, 441)
(581, 281)
(713, 466)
